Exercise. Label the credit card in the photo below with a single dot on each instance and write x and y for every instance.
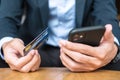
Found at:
(37, 42)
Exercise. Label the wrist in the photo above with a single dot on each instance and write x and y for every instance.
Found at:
(2, 41)
(117, 57)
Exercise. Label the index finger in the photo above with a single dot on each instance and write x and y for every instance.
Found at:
(78, 47)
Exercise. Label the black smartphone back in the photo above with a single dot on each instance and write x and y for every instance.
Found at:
(87, 35)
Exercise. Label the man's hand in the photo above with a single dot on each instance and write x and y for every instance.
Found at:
(80, 57)
(14, 56)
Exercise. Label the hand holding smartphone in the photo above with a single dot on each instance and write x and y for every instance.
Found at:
(87, 35)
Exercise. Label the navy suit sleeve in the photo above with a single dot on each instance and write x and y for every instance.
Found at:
(105, 12)
(10, 17)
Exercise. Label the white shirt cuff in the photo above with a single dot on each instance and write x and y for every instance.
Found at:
(2, 41)
(116, 40)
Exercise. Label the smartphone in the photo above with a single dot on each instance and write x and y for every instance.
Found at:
(37, 42)
(91, 35)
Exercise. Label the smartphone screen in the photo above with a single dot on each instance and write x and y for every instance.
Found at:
(88, 35)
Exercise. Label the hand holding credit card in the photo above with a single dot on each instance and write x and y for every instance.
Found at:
(37, 42)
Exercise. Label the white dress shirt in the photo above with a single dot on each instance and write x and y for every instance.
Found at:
(62, 20)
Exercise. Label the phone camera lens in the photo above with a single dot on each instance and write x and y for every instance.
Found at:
(81, 36)
(76, 37)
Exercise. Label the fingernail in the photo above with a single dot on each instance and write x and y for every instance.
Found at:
(32, 52)
(62, 42)
(36, 52)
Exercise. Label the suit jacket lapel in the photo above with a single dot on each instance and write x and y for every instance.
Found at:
(44, 11)
(80, 4)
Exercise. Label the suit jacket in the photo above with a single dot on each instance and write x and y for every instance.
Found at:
(88, 13)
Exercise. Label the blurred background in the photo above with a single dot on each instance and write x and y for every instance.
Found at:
(118, 7)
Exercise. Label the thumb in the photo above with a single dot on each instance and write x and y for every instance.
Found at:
(108, 36)
(20, 46)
